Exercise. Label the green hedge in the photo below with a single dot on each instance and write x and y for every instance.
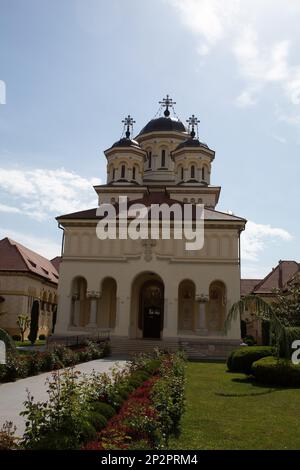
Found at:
(19, 366)
(273, 371)
(288, 336)
(241, 359)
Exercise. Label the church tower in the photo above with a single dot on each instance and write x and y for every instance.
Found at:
(152, 287)
(165, 156)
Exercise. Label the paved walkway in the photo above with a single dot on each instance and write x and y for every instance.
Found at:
(13, 394)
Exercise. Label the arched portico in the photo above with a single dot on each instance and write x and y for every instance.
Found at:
(147, 306)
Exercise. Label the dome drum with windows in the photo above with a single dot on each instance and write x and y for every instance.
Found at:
(164, 151)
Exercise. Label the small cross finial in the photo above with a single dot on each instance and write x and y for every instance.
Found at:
(128, 123)
(167, 102)
(193, 122)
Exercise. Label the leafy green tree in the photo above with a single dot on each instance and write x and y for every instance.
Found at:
(23, 323)
(283, 313)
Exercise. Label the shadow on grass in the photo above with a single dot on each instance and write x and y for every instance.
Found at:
(257, 388)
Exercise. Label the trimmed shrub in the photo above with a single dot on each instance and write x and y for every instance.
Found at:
(273, 371)
(104, 409)
(289, 335)
(249, 340)
(2, 372)
(4, 336)
(97, 420)
(15, 367)
(16, 337)
(35, 363)
(241, 360)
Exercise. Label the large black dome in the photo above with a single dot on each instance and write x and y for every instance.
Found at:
(163, 124)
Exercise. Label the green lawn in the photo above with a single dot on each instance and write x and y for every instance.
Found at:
(228, 411)
(39, 342)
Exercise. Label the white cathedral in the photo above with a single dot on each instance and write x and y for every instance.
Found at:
(145, 293)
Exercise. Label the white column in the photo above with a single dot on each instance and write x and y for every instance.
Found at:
(170, 319)
(201, 328)
(123, 315)
(93, 296)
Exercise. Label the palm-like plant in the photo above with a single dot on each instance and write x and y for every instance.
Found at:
(262, 311)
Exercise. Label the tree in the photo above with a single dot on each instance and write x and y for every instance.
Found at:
(23, 323)
(283, 313)
(34, 323)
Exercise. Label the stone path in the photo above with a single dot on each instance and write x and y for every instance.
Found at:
(13, 394)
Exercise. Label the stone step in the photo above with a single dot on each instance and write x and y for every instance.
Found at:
(194, 349)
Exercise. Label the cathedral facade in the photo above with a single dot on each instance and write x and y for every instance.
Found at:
(154, 289)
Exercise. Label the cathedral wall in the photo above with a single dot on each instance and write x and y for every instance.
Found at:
(124, 260)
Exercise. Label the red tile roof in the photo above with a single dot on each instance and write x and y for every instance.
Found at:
(56, 262)
(16, 257)
(155, 198)
(248, 286)
(278, 278)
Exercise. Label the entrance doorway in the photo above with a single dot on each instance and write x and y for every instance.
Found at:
(152, 308)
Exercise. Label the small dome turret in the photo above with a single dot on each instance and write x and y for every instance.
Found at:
(125, 158)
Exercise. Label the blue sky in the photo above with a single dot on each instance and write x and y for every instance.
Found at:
(74, 68)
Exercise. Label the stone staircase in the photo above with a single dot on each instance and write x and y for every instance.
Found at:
(129, 347)
(196, 349)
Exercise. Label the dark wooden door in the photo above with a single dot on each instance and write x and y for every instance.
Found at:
(152, 306)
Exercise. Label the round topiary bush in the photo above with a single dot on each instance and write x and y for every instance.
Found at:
(16, 337)
(274, 371)
(104, 409)
(241, 359)
(97, 420)
(10, 345)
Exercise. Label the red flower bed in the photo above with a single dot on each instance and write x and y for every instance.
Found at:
(120, 432)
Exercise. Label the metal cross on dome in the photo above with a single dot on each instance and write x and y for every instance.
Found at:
(193, 122)
(128, 123)
(167, 103)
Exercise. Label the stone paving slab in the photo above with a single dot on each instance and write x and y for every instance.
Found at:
(13, 394)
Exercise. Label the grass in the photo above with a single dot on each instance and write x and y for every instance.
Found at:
(38, 342)
(228, 411)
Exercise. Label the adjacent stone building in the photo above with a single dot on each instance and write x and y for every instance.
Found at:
(26, 279)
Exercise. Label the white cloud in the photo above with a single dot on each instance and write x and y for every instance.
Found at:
(41, 193)
(44, 246)
(259, 63)
(9, 209)
(247, 98)
(256, 237)
(261, 57)
(208, 19)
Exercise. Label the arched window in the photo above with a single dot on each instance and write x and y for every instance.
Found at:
(192, 171)
(203, 173)
(133, 173)
(149, 159)
(163, 158)
(114, 174)
(123, 171)
(181, 173)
